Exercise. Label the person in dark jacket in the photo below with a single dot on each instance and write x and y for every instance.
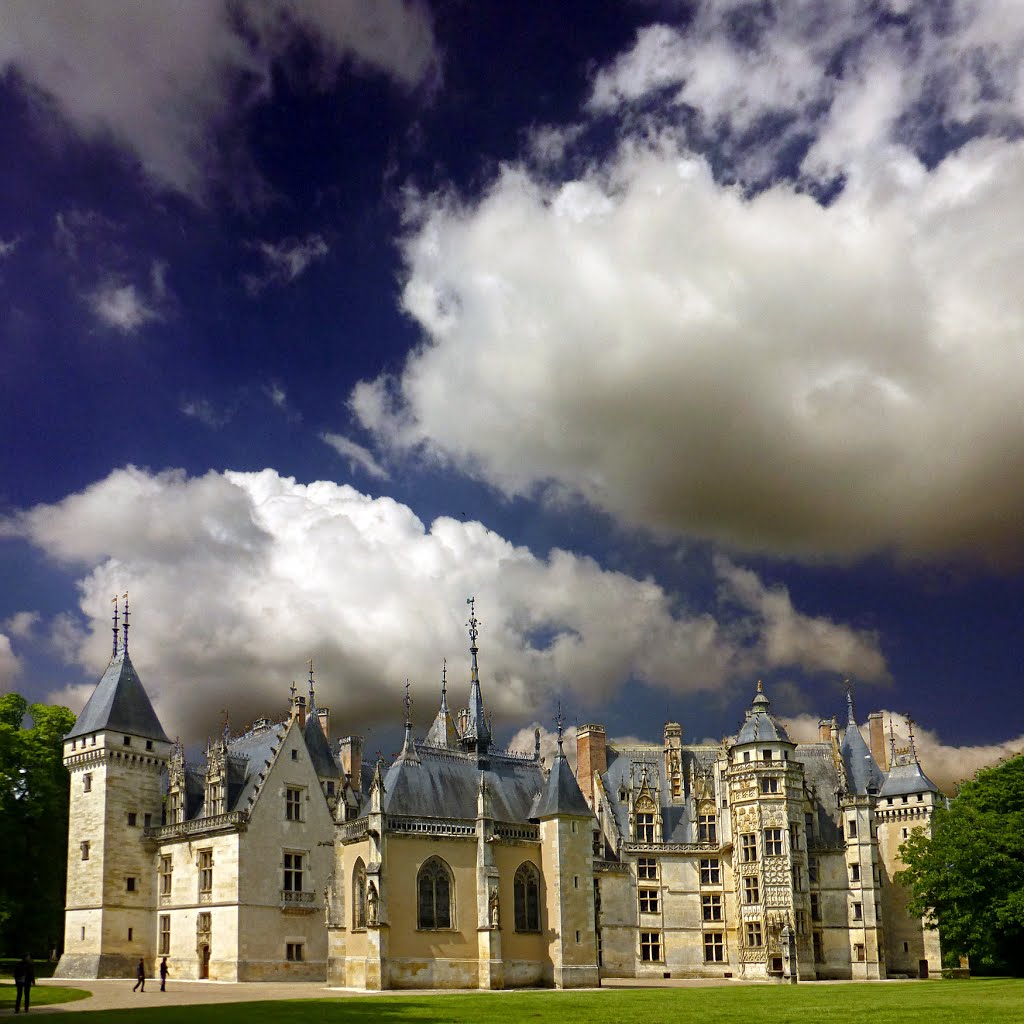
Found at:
(164, 971)
(24, 979)
(140, 974)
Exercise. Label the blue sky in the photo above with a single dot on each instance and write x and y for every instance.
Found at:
(687, 337)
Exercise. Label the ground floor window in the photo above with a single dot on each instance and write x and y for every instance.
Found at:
(650, 946)
(293, 952)
(526, 899)
(164, 947)
(819, 948)
(714, 947)
(434, 895)
(858, 952)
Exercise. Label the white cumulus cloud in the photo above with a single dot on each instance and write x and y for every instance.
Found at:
(238, 579)
(356, 455)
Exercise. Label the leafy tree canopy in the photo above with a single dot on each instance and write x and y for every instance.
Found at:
(33, 824)
(968, 877)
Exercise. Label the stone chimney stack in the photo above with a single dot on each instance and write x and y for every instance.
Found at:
(876, 735)
(324, 718)
(591, 756)
(825, 730)
(299, 711)
(350, 749)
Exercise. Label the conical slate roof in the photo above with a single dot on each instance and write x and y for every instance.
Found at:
(862, 771)
(119, 704)
(760, 726)
(562, 796)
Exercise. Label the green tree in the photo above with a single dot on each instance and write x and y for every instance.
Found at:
(968, 876)
(33, 824)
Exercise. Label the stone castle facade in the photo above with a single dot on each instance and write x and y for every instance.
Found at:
(283, 856)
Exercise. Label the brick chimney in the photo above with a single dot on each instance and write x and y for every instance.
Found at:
(350, 749)
(591, 756)
(825, 730)
(876, 735)
(324, 718)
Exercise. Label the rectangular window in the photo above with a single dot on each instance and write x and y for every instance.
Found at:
(330, 787)
(854, 872)
(746, 755)
(766, 755)
(812, 868)
(295, 755)
(748, 847)
(819, 947)
(707, 828)
(650, 946)
(131, 933)
(147, 821)
(794, 836)
(293, 804)
(858, 912)
(648, 901)
(751, 890)
(858, 952)
(773, 842)
(132, 819)
(165, 876)
(753, 933)
(292, 872)
(851, 828)
(129, 884)
(204, 922)
(815, 907)
(645, 828)
(646, 868)
(85, 850)
(714, 947)
(801, 923)
(798, 878)
(149, 744)
(769, 785)
(293, 952)
(711, 906)
(206, 871)
(127, 741)
(164, 946)
(710, 871)
(87, 782)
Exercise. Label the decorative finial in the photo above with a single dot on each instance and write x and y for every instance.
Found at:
(227, 725)
(849, 700)
(559, 722)
(444, 678)
(408, 706)
(312, 695)
(892, 744)
(114, 654)
(760, 686)
(474, 630)
(126, 622)
(294, 690)
(913, 745)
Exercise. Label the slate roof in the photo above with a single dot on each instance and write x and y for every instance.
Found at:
(905, 779)
(445, 784)
(257, 748)
(760, 726)
(119, 704)
(862, 772)
(324, 762)
(561, 795)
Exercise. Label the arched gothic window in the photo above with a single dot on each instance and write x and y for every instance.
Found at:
(434, 895)
(526, 898)
(359, 895)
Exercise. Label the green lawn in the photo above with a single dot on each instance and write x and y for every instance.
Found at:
(993, 1001)
(42, 995)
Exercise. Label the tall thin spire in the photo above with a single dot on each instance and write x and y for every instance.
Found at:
(559, 723)
(849, 704)
(408, 707)
(126, 622)
(913, 745)
(114, 652)
(408, 746)
(312, 694)
(477, 734)
(892, 744)
(444, 686)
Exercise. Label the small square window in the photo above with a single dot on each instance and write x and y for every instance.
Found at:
(711, 906)
(85, 850)
(766, 755)
(858, 952)
(769, 785)
(132, 819)
(149, 744)
(87, 782)
(858, 912)
(646, 868)
(127, 741)
(851, 828)
(710, 871)
(648, 901)
(130, 884)
(854, 872)
(295, 757)
(293, 952)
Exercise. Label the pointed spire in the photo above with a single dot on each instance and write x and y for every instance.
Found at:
(477, 735)
(559, 723)
(126, 622)
(850, 720)
(114, 652)
(892, 743)
(913, 745)
(444, 685)
(227, 726)
(408, 745)
(312, 693)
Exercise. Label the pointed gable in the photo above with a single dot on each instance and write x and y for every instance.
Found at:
(119, 704)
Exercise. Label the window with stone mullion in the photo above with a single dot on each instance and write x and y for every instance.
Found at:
(434, 897)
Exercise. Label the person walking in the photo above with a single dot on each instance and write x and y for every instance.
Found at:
(164, 971)
(140, 974)
(24, 979)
